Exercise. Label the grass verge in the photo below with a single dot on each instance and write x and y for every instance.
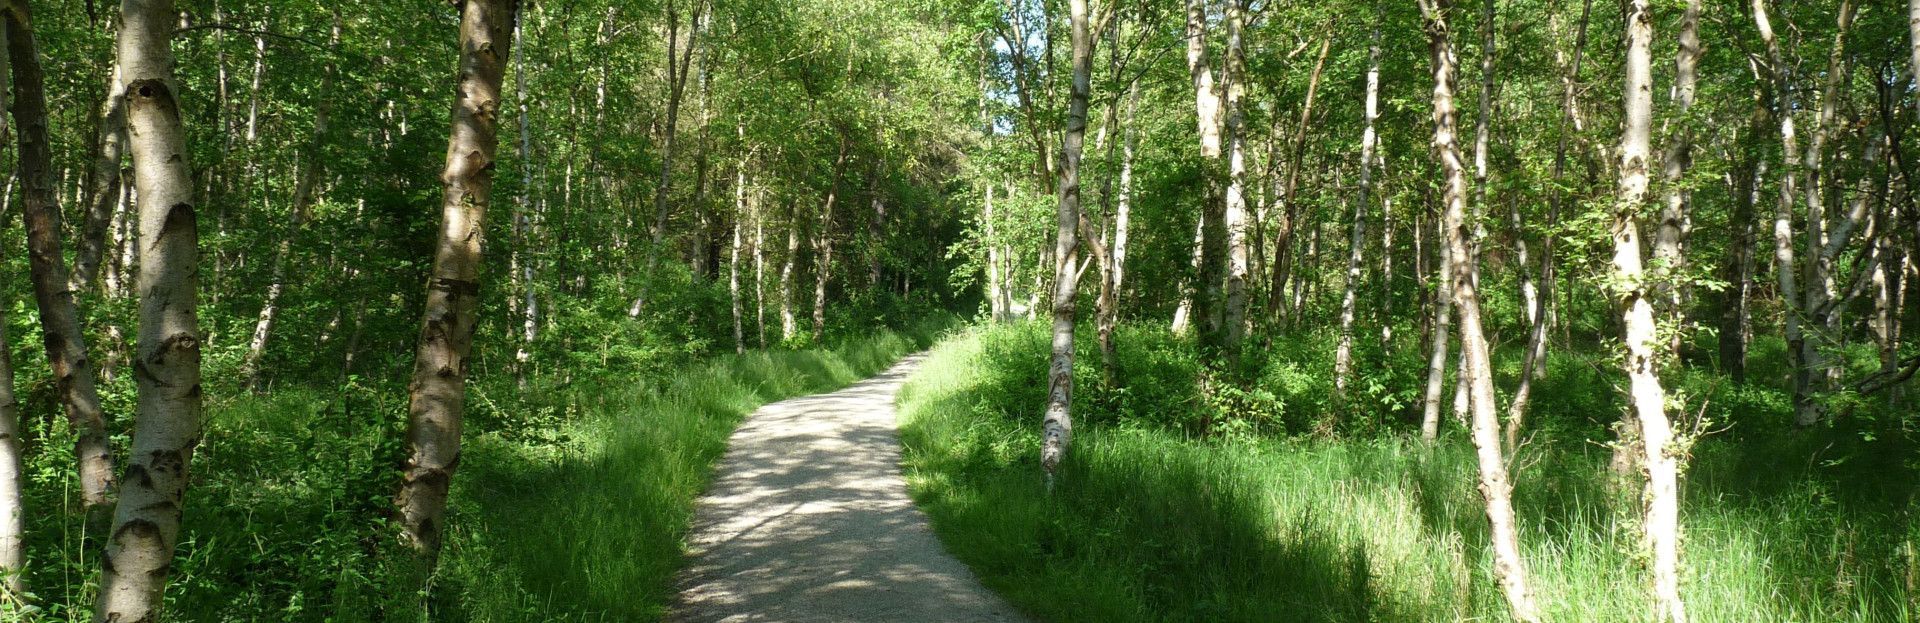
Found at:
(587, 524)
(1149, 524)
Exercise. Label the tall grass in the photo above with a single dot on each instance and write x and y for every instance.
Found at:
(1149, 522)
(570, 505)
(586, 524)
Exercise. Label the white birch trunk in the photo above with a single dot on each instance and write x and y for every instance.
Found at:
(1660, 459)
(1509, 569)
(146, 521)
(1057, 427)
(1357, 244)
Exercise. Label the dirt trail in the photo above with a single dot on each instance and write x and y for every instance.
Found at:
(808, 520)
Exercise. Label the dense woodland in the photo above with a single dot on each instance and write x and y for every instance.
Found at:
(1547, 310)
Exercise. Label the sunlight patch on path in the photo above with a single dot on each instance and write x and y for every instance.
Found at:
(808, 520)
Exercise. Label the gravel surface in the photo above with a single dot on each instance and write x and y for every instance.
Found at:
(808, 520)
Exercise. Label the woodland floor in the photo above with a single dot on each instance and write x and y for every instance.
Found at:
(808, 519)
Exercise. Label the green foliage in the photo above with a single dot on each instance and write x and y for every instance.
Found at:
(1148, 522)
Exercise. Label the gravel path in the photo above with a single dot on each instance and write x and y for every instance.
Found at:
(808, 520)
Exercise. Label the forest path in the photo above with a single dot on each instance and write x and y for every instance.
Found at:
(808, 520)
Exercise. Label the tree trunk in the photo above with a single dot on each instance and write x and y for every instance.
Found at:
(1785, 268)
(1509, 569)
(733, 253)
(303, 189)
(1660, 450)
(1290, 212)
(1057, 427)
(438, 390)
(1820, 288)
(1357, 243)
(678, 63)
(760, 268)
(1534, 366)
(12, 516)
(1234, 318)
(103, 191)
(1183, 314)
(522, 260)
(876, 229)
(1199, 299)
(1913, 42)
(146, 521)
(996, 286)
(823, 244)
(39, 208)
(1671, 235)
(1441, 336)
(789, 326)
(1122, 224)
(13, 550)
(1748, 177)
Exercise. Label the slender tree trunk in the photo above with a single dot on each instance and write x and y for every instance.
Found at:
(1534, 367)
(1237, 221)
(876, 228)
(1913, 42)
(1671, 235)
(1122, 225)
(760, 268)
(522, 261)
(13, 549)
(823, 244)
(1661, 451)
(679, 61)
(996, 280)
(789, 326)
(438, 390)
(39, 208)
(733, 251)
(1198, 300)
(1747, 177)
(1785, 268)
(1357, 243)
(12, 515)
(303, 189)
(1819, 285)
(1183, 314)
(1290, 212)
(1509, 569)
(1058, 425)
(146, 521)
(103, 191)
(1442, 335)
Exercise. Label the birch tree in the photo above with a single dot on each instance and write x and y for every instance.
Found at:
(1369, 140)
(146, 519)
(1496, 489)
(40, 209)
(1660, 450)
(437, 393)
(1057, 427)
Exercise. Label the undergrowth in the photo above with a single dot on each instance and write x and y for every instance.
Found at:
(1303, 511)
